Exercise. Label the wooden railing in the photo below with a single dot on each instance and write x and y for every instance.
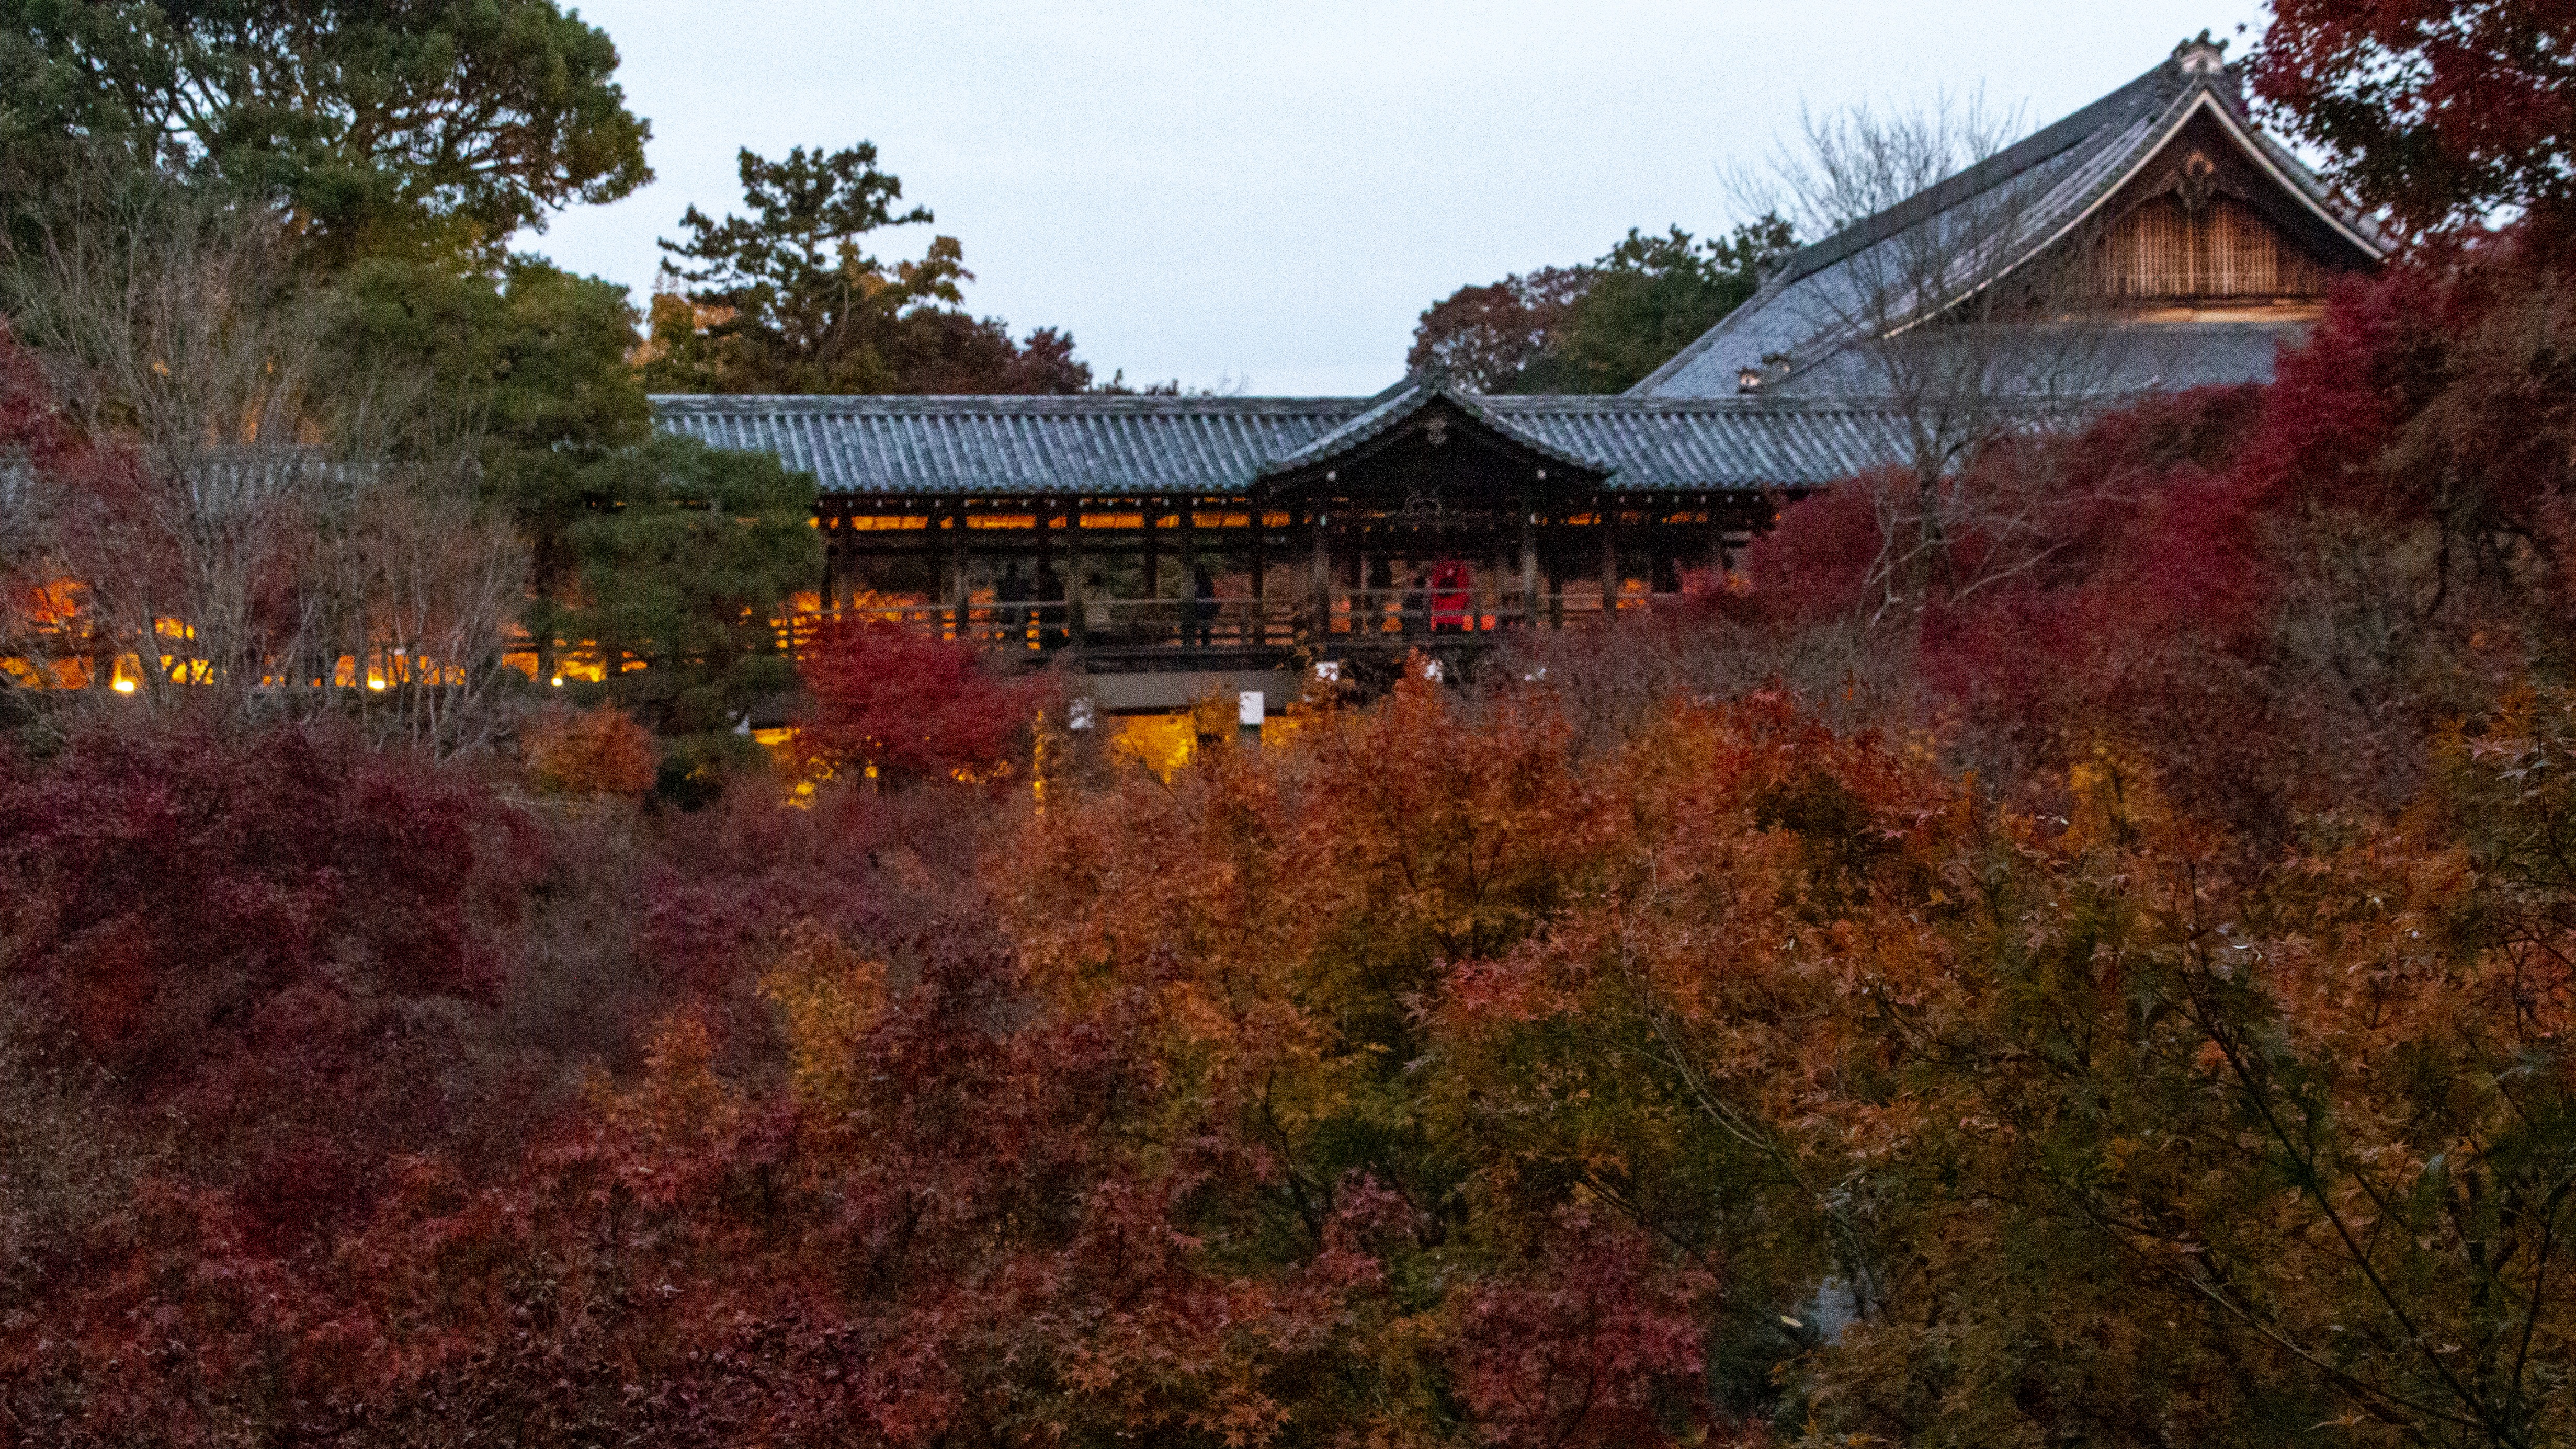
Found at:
(1392, 618)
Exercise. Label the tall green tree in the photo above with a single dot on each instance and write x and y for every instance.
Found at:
(653, 550)
(398, 125)
(686, 556)
(787, 300)
(1600, 327)
(1652, 296)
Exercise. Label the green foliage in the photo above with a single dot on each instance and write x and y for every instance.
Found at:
(1652, 296)
(1601, 327)
(660, 548)
(437, 126)
(786, 301)
(685, 555)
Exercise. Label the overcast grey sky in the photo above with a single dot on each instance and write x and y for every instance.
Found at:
(1272, 193)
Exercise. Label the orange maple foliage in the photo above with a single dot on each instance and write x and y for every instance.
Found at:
(600, 751)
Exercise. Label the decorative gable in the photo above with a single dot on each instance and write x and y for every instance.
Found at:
(2166, 249)
(2206, 220)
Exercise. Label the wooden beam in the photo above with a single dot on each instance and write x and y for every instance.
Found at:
(1260, 628)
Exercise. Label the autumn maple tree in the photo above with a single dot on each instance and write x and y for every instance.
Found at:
(2111, 986)
(891, 704)
(2443, 113)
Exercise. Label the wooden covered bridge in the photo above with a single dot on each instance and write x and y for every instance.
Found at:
(1164, 544)
(1137, 538)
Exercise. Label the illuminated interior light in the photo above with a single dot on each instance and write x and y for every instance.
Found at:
(124, 686)
(557, 681)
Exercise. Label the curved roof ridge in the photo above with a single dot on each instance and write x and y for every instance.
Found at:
(1388, 410)
(2126, 104)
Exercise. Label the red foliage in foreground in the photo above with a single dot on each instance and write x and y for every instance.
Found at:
(1458, 1072)
(910, 706)
(176, 897)
(259, 951)
(2276, 591)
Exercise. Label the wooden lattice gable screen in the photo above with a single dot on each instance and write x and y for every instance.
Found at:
(2203, 222)
(2165, 250)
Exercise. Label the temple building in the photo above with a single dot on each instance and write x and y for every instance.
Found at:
(2198, 240)
(1166, 546)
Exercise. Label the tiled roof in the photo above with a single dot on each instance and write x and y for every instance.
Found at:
(989, 446)
(2036, 190)
(1645, 443)
(994, 445)
(1388, 410)
(2118, 366)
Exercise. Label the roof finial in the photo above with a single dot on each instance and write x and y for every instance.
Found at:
(2202, 56)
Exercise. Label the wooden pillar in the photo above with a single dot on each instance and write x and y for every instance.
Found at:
(1077, 606)
(832, 561)
(1320, 577)
(1190, 565)
(1529, 567)
(964, 590)
(1152, 552)
(1039, 606)
(1258, 632)
(950, 523)
(1609, 531)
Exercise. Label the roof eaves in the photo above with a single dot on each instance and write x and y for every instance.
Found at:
(2198, 93)
(1376, 415)
(1475, 406)
(2049, 142)
(993, 405)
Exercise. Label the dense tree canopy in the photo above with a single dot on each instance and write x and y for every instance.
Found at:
(359, 170)
(448, 124)
(647, 549)
(1600, 327)
(1497, 336)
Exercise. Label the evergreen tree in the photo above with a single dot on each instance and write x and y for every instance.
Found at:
(651, 550)
(1600, 327)
(443, 125)
(786, 301)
